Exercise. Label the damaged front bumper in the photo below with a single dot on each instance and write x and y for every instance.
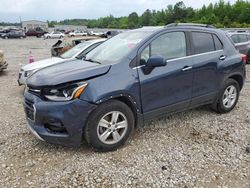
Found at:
(3, 66)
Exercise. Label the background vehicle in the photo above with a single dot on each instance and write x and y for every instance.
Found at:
(77, 52)
(110, 34)
(35, 32)
(242, 42)
(3, 63)
(63, 45)
(13, 34)
(54, 35)
(3, 32)
(132, 77)
(77, 33)
(92, 33)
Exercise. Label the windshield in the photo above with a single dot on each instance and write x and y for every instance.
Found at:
(117, 47)
(75, 50)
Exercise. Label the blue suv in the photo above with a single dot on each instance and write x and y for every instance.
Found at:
(133, 77)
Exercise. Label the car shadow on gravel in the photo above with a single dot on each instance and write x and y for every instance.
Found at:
(4, 73)
(200, 111)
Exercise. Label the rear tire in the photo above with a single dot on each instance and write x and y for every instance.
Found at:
(228, 97)
(109, 126)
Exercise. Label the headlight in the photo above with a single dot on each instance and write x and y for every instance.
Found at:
(65, 93)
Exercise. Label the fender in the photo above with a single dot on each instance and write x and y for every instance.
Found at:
(136, 108)
(120, 95)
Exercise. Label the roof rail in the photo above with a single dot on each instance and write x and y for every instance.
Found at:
(189, 24)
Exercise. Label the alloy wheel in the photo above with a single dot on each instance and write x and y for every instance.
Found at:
(112, 127)
(229, 96)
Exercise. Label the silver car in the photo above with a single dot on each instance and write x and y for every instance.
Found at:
(79, 51)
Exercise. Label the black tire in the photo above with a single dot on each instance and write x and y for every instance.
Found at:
(218, 106)
(91, 128)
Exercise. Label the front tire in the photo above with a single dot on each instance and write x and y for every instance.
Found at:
(228, 97)
(109, 126)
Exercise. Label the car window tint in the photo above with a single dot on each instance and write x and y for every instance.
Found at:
(203, 42)
(235, 38)
(217, 43)
(169, 45)
(242, 38)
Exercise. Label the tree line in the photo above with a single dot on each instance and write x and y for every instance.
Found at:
(221, 14)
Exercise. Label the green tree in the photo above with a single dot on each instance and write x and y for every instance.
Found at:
(145, 18)
(133, 20)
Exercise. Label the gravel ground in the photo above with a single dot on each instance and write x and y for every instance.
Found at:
(197, 148)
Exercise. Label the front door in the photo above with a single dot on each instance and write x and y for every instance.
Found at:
(166, 89)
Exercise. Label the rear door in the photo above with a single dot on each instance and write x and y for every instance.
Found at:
(207, 54)
(166, 89)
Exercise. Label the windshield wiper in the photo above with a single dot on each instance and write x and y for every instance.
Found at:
(91, 60)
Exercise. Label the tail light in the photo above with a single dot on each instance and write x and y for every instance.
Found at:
(244, 58)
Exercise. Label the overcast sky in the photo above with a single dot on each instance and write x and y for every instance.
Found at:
(10, 10)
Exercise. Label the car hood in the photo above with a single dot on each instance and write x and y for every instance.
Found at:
(66, 72)
(43, 63)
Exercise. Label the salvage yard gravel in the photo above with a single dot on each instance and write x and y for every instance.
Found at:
(197, 148)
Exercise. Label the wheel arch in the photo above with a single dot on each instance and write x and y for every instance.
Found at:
(239, 78)
(129, 101)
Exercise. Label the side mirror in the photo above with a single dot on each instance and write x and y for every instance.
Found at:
(156, 61)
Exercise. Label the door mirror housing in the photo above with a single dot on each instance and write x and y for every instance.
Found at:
(156, 61)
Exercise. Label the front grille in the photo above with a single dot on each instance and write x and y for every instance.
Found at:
(29, 109)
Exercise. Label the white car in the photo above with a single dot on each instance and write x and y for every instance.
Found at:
(77, 52)
(95, 33)
(54, 35)
(77, 34)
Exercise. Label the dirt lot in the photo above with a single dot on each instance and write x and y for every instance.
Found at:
(198, 148)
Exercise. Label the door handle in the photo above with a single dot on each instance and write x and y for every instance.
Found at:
(222, 57)
(186, 68)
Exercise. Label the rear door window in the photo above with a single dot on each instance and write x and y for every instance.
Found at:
(203, 42)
